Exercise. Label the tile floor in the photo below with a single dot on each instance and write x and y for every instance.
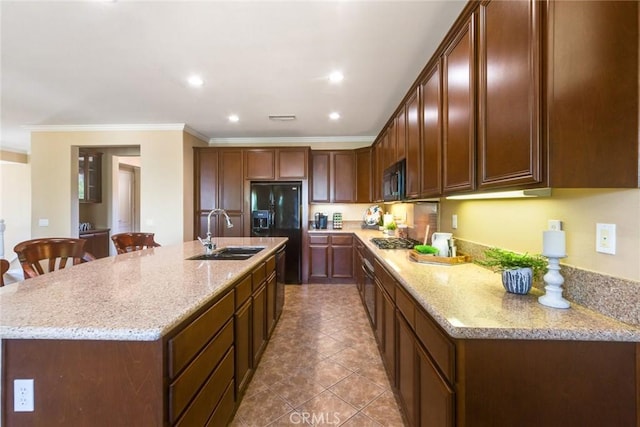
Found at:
(321, 366)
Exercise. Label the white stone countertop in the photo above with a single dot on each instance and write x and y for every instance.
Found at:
(469, 301)
(138, 296)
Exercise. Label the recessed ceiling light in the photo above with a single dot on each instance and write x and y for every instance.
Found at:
(334, 116)
(195, 81)
(336, 77)
(234, 118)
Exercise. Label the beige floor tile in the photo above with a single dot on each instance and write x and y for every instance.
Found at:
(357, 390)
(262, 408)
(384, 410)
(361, 420)
(327, 409)
(321, 366)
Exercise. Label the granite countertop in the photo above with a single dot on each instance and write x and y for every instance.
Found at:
(469, 301)
(138, 296)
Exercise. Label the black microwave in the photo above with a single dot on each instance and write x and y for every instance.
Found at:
(393, 182)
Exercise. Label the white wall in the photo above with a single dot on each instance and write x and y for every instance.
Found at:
(15, 204)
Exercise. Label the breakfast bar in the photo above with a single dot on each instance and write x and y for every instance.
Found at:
(144, 338)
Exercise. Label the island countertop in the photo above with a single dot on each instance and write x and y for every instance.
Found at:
(138, 296)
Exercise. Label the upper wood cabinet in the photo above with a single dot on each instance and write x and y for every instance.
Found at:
(592, 91)
(333, 176)
(412, 144)
(509, 141)
(260, 163)
(431, 176)
(278, 164)
(364, 175)
(376, 174)
(458, 110)
(401, 135)
(89, 177)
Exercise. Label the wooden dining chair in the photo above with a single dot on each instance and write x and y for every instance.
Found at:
(4, 267)
(129, 242)
(56, 251)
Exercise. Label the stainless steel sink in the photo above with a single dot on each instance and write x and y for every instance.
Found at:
(230, 253)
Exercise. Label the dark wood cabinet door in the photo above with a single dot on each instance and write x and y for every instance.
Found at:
(270, 315)
(242, 343)
(509, 142)
(389, 326)
(401, 134)
(89, 177)
(407, 369)
(343, 176)
(258, 320)
(363, 175)
(318, 262)
(431, 156)
(413, 151)
(206, 179)
(97, 244)
(320, 176)
(260, 163)
(231, 180)
(459, 111)
(292, 163)
(379, 314)
(341, 257)
(435, 397)
(376, 175)
(593, 94)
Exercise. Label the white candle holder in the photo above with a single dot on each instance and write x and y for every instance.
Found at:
(554, 280)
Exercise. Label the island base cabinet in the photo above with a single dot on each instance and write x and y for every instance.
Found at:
(547, 383)
(85, 383)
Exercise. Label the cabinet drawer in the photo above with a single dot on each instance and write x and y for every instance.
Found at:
(190, 380)
(405, 304)
(222, 415)
(243, 291)
(385, 279)
(212, 392)
(271, 264)
(441, 349)
(184, 346)
(258, 275)
(318, 239)
(342, 239)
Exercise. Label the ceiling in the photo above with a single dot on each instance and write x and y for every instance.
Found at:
(127, 63)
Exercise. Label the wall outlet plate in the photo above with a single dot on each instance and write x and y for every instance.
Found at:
(606, 238)
(23, 395)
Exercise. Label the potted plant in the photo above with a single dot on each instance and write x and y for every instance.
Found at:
(390, 228)
(518, 270)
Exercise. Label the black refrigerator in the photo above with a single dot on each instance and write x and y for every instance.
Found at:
(276, 212)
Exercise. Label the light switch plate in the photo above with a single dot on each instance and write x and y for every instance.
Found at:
(606, 238)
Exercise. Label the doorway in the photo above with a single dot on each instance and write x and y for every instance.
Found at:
(126, 195)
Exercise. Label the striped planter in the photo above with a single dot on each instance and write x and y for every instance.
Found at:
(518, 281)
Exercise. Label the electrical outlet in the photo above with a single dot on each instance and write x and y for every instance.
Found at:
(555, 224)
(606, 238)
(23, 395)
(454, 221)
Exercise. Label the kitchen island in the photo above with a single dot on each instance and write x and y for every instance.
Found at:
(145, 338)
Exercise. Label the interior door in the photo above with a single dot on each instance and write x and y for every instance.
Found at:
(126, 199)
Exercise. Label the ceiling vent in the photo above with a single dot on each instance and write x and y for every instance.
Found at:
(282, 117)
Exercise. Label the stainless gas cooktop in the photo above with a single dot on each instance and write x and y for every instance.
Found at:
(394, 243)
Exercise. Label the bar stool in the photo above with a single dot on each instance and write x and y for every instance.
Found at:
(129, 242)
(56, 250)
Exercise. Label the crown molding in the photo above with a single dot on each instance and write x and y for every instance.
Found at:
(108, 127)
(293, 140)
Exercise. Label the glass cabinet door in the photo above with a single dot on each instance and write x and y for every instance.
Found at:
(89, 177)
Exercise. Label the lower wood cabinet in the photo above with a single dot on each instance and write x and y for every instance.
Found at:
(331, 258)
(443, 381)
(96, 242)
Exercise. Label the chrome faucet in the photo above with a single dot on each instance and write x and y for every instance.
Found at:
(209, 246)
